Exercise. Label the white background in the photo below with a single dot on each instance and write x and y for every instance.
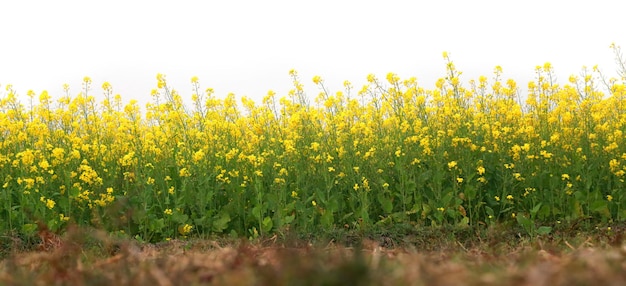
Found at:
(248, 47)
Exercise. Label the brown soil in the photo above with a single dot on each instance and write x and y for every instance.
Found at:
(96, 259)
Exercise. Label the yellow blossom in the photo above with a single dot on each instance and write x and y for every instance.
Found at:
(317, 79)
(452, 164)
(184, 172)
(185, 229)
(481, 170)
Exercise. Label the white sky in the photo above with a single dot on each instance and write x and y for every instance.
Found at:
(248, 47)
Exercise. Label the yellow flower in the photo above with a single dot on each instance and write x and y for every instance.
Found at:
(609, 198)
(48, 202)
(545, 154)
(317, 79)
(185, 229)
(452, 164)
(481, 170)
(497, 198)
(459, 180)
(614, 165)
(314, 203)
(198, 156)
(509, 197)
(184, 172)
(565, 177)
(106, 86)
(44, 164)
(168, 211)
(160, 80)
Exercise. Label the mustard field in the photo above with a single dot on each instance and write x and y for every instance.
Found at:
(464, 153)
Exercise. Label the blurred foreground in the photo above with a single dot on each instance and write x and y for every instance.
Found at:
(498, 257)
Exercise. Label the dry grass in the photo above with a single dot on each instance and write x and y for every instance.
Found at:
(83, 257)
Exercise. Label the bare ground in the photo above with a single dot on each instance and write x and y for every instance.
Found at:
(93, 258)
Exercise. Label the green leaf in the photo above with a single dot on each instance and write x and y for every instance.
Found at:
(438, 216)
(544, 212)
(579, 195)
(411, 185)
(506, 210)
(385, 203)
(526, 224)
(464, 222)
(470, 192)
(543, 230)
(256, 212)
(414, 209)
(73, 192)
(220, 222)
(327, 219)
(489, 211)
(600, 207)
(533, 212)
(157, 225)
(29, 229)
(346, 216)
(138, 216)
(445, 201)
(425, 210)
(267, 224)
(289, 219)
(179, 217)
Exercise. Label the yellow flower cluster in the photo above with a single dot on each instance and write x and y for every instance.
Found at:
(458, 151)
